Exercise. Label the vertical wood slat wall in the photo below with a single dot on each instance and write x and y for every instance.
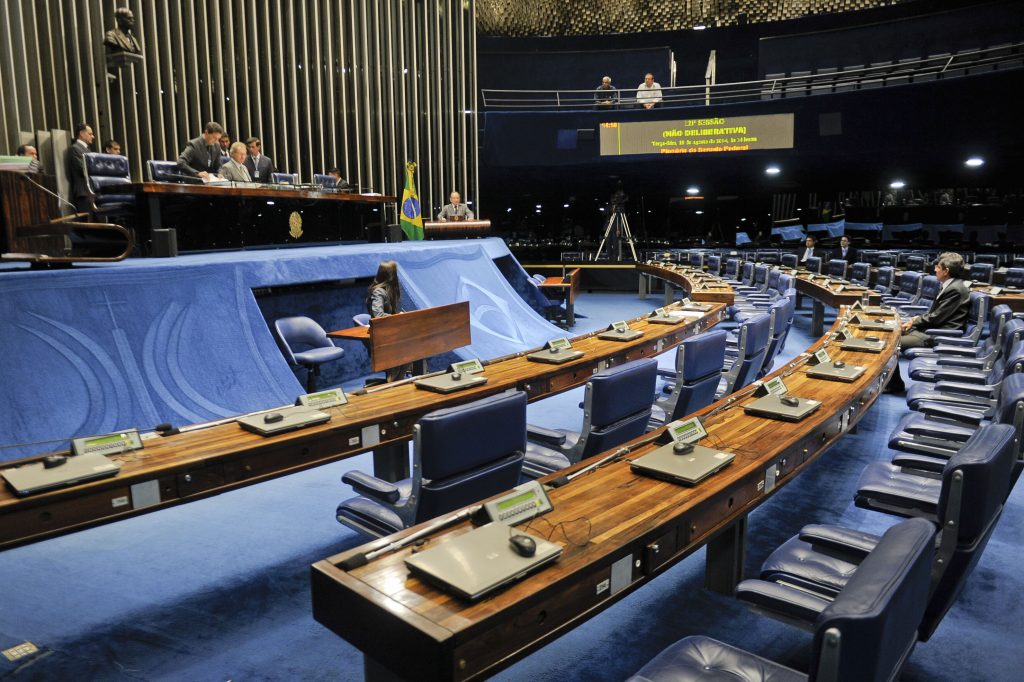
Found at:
(365, 85)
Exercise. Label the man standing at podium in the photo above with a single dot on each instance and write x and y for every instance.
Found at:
(456, 210)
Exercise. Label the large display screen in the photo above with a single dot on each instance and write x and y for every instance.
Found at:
(698, 135)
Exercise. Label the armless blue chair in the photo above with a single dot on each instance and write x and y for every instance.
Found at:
(305, 344)
(616, 408)
(461, 455)
(866, 633)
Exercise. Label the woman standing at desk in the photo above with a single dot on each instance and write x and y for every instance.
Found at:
(384, 298)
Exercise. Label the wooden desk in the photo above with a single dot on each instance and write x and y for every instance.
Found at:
(196, 464)
(715, 290)
(827, 292)
(242, 215)
(559, 289)
(456, 229)
(639, 528)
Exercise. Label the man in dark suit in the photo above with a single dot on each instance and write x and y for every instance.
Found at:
(809, 250)
(201, 158)
(261, 168)
(845, 251)
(80, 194)
(950, 310)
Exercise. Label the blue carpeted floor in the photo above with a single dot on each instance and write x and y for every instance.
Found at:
(219, 589)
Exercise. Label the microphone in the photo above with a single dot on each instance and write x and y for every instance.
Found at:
(26, 178)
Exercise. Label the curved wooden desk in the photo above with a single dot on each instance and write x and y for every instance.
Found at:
(199, 463)
(639, 527)
(713, 288)
(825, 291)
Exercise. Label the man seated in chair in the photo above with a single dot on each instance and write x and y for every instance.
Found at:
(235, 170)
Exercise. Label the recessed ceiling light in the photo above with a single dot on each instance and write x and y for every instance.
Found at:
(897, 184)
(699, 212)
(692, 190)
(974, 161)
(772, 170)
(699, 27)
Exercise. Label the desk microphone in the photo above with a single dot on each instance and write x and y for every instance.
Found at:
(26, 178)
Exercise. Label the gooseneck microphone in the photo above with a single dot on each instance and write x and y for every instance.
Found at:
(26, 178)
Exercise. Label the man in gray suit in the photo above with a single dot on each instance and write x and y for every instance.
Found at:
(456, 210)
(201, 158)
(80, 194)
(261, 168)
(235, 170)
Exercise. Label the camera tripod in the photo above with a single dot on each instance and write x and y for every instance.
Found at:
(618, 230)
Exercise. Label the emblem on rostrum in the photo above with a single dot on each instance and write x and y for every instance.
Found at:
(295, 225)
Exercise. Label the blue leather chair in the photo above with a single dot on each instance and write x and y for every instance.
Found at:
(972, 388)
(699, 361)
(165, 171)
(964, 505)
(970, 336)
(837, 268)
(981, 272)
(616, 408)
(362, 319)
(990, 258)
(939, 431)
(295, 333)
(461, 455)
(751, 345)
(108, 170)
(859, 273)
(697, 260)
(285, 178)
(325, 180)
(866, 633)
(732, 271)
(1014, 278)
(929, 290)
(884, 279)
(782, 313)
(714, 263)
(790, 260)
(813, 264)
(909, 290)
(916, 263)
(959, 352)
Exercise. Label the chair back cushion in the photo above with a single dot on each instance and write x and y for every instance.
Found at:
(699, 363)
(878, 611)
(325, 180)
(1015, 277)
(859, 272)
(618, 404)
(985, 461)
(790, 260)
(293, 332)
(883, 281)
(837, 268)
(910, 285)
(163, 171)
(981, 272)
(714, 263)
(930, 288)
(813, 264)
(754, 335)
(107, 170)
(697, 260)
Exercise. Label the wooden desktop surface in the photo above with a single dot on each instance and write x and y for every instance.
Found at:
(640, 524)
(199, 463)
(714, 291)
(239, 190)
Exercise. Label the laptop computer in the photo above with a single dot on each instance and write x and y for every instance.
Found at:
(862, 345)
(876, 325)
(447, 383)
(828, 371)
(477, 563)
(688, 468)
(36, 478)
(555, 356)
(771, 406)
(620, 331)
(291, 419)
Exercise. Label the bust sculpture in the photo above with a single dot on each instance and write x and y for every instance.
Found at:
(121, 38)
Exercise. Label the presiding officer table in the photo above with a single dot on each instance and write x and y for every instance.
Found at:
(239, 215)
(639, 527)
(206, 461)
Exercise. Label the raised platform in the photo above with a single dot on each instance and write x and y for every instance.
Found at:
(184, 340)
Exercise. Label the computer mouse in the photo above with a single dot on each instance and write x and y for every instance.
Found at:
(523, 545)
(272, 418)
(456, 376)
(790, 400)
(681, 448)
(871, 338)
(839, 364)
(51, 461)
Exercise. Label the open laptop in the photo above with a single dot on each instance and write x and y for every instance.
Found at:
(862, 345)
(461, 375)
(828, 371)
(556, 352)
(291, 419)
(36, 478)
(477, 563)
(620, 331)
(771, 406)
(877, 324)
(688, 468)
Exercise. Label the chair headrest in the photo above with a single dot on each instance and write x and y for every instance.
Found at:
(458, 439)
(108, 165)
(986, 461)
(878, 612)
(703, 354)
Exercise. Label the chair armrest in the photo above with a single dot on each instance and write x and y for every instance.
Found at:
(959, 413)
(911, 310)
(371, 486)
(843, 539)
(544, 436)
(667, 373)
(781, 599)
(963, 363)
(973, 390)
(908, 460)
(956, 343)
(963, 376)
(945, 333)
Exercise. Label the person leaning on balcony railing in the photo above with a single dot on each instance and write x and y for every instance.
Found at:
(648, 93)
(606, 96)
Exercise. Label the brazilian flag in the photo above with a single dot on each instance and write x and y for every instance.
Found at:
(411, 221)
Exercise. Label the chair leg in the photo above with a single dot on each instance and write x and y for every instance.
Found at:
(311, 375)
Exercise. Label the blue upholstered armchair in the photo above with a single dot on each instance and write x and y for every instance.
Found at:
(108, 170)
(461, 455)
(304, 343)
(699, 361)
